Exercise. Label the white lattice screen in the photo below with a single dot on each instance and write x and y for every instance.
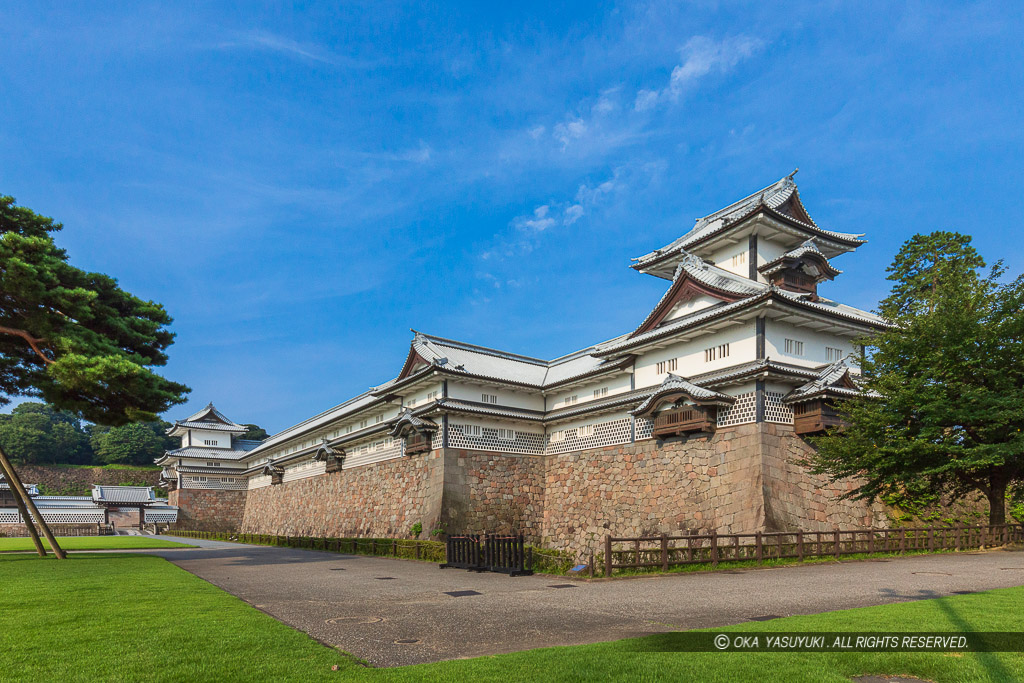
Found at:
(371, 452)
(212, 481)
(744, 410)
(525, 443)
(644, 428)
(162, 516)
(10, 517)
(775, 410)
(605, 434)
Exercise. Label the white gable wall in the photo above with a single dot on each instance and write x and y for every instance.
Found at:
(209, 439)
(470, 391)
(617, 384)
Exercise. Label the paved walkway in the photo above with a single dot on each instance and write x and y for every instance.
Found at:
(394, 612)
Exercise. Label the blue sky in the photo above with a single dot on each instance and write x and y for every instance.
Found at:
(301, 185)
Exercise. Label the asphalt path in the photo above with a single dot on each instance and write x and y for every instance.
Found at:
(395, 612)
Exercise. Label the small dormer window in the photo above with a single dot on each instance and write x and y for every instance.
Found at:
(210, 442)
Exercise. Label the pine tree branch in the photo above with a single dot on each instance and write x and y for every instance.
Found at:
(32, 341)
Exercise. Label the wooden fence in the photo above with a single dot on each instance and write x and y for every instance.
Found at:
(411, 549)
(665, 551)
(489, 553)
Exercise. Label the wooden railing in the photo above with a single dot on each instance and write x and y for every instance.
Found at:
(488, 553)
(667, 551)
(815, 416)
(686, 419)
(417, 443)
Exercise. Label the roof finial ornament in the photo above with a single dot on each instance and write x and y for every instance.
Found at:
(795, 171)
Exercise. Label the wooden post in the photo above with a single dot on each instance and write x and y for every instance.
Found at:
(417, 550)
(903, 541)
(394, 547)
(591, 564)
(871, 541)
(836, 538)
(636, 553)
(758, 547)
(15, 481)
(800, 545)
(664, 553)
(714, 548)
(20, 502)
(931, 538)
(608, 556)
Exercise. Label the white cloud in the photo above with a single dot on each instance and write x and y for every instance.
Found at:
(258, 39)
(570, 130)
(700, 56)
(538, 222)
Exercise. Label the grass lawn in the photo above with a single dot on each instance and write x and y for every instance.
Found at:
(134, 617)
(91, 543)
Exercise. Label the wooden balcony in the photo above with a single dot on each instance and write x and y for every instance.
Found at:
(814, 417)
(685, 419)
(417, 443)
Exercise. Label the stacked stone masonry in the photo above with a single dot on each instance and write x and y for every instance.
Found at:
(741, 479)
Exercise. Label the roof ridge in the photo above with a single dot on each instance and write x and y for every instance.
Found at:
(468, 346)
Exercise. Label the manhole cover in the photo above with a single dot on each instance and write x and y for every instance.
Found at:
(461, 594)
(933, 573)
(767, 617)
(385, 578)
(407, 641)
(358, 620)
(562, 585)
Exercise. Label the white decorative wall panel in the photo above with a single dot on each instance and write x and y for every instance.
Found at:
(608, 433)
(525, 443)
(775, 410)
(743, 411)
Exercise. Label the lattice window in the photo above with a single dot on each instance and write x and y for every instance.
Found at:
(437, 440)
(604, 434)
(477, 438)
(10, 517)
(775, 410)
(72, 516)
(743, 411)
(832, 353)
(716, 352)
(162, 516)
(644, 428)
(201, 482)
(794, 347)
(601, 393)
(669, 365)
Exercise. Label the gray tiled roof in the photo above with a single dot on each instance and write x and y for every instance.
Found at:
(240, 450)
(123, 494)
(408, 420)
(834, 307)
(675, 384)
(808, 247)
(208, 418)
(827, 382)
(772, 197)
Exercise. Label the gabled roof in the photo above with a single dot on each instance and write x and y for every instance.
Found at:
(781, 200)
(806, 250)
(675, 387)
(410, 422)
(694, 277)
(123, 494)
(240, 449)
(208, 418)
(832, 380)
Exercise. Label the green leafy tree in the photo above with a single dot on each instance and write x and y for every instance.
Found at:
(254, 433)
(38, 434)
(947, 379)
(131, 444)
(74, 338)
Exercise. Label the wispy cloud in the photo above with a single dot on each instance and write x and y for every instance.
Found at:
(701, 56)
(258, 39)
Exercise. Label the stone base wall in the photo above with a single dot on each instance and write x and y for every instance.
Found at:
(493, 492)
(740, 479)
(21, 531)
(78, 481)
(798, 500)
(383, 500)
(208, 510)
(698, 483)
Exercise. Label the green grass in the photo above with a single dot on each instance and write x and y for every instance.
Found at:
(91, 543)
(135, 617)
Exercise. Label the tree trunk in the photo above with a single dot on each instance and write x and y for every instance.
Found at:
(19, 500)
(16, 481)
(996, 502)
